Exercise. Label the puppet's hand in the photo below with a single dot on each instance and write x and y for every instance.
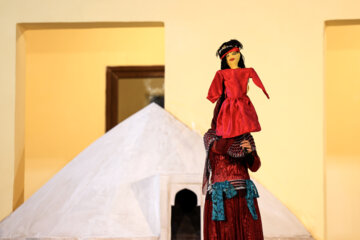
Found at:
(246, 144)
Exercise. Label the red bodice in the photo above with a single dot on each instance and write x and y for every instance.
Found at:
(224, 167)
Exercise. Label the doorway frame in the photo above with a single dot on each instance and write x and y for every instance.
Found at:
(113, 74)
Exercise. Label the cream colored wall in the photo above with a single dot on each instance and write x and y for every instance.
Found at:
(342, 129)
(283, 40)
(65, 89)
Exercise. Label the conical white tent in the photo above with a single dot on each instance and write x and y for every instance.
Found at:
(114, 189)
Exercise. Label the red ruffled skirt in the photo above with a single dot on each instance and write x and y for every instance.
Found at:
(236, 117)
(239, 223)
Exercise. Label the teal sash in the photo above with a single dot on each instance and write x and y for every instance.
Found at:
(218, 212)
(251, 193)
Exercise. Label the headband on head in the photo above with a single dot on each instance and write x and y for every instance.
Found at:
(231, 50)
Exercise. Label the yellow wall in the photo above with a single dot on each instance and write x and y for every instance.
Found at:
(19, 137)
(283, 40)
(342, 129)
(65, 89)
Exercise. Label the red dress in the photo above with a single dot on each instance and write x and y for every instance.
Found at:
(237, 114)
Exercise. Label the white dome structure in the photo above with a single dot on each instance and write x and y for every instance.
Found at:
(123, 185)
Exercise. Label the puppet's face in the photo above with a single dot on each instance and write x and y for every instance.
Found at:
(233, 58)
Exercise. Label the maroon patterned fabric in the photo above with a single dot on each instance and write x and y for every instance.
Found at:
(224, 167)
(209, 138)
(231, 147)
(239, 223)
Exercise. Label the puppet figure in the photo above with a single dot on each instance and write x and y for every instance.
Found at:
(231, 210)
(237, 114)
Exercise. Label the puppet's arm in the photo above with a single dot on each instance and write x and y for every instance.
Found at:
(257, 81)
(216, 87)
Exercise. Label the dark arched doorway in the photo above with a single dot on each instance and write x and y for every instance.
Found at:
(185, 216)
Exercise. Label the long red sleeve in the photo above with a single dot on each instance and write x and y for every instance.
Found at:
(257, 81)
(216, 87)
(255, 161)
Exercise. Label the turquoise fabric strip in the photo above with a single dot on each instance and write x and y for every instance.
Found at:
(251, 193)
(218, 213)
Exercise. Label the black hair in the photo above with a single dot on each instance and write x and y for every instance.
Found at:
(226, 46)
